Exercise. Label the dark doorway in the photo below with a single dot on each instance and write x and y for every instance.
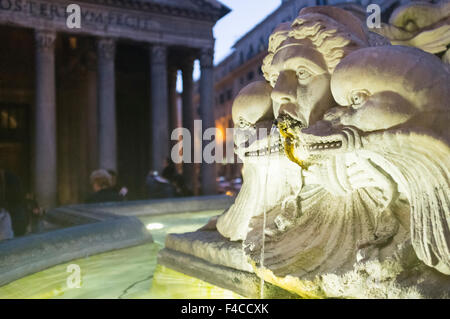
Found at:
(15, 140)
(133, 117)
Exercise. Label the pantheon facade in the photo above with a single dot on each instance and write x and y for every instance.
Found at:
(103, 95)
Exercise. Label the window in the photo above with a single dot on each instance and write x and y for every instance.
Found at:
(261, 45)
(250, 75)
(9, 118)
(250, 52)
(12, 126)
(229, 94)
(241, 57)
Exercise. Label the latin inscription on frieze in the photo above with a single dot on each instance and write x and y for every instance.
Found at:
(90, 16)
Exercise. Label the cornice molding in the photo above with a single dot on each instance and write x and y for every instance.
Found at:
(207, 12)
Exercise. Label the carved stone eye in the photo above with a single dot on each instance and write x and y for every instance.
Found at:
(303, 74)
(358, 98)
(244, 124)
(273, 80)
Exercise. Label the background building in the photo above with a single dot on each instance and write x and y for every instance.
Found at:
(73, 100)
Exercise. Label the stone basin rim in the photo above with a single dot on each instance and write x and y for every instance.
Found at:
(92, 229)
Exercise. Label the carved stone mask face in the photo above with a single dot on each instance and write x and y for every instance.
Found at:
(253, 118)
(301, 90)
(384, 87)
(380, 88)
(301, 84)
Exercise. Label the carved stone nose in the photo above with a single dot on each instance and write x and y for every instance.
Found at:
(285, 90)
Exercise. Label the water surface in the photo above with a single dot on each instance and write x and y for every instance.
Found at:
(123, 273)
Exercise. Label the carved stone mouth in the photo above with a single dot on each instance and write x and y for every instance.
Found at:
(276, 148)
(287, 125)
(342, 139)
(324, 145)
(322, 137)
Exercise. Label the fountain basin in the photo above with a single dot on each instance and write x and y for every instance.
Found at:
(110, 242)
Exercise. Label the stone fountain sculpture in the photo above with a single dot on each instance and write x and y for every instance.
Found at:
(324, 35)
(374, 206)
(421, 24)
(365, 163)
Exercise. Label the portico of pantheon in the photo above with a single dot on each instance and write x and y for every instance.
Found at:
(103, 95)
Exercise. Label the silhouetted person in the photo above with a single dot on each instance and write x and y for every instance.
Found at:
(169, 172)
(12, 199)
(181, 188)
(101, 182)
(158, 187)
(35, 213)
(122, 191)
(6, 231)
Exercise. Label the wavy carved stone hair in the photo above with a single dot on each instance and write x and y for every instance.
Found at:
(332, 31)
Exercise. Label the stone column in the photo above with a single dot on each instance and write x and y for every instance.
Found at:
(91, 114)
(45, 164)
(159, 105)
(107, 132)
(173, 108)
(189, 176)
(208, 171)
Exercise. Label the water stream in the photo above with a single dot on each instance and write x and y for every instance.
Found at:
(264, 201)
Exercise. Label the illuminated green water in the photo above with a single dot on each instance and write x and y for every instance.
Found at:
(177, 223)
(124, 273)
